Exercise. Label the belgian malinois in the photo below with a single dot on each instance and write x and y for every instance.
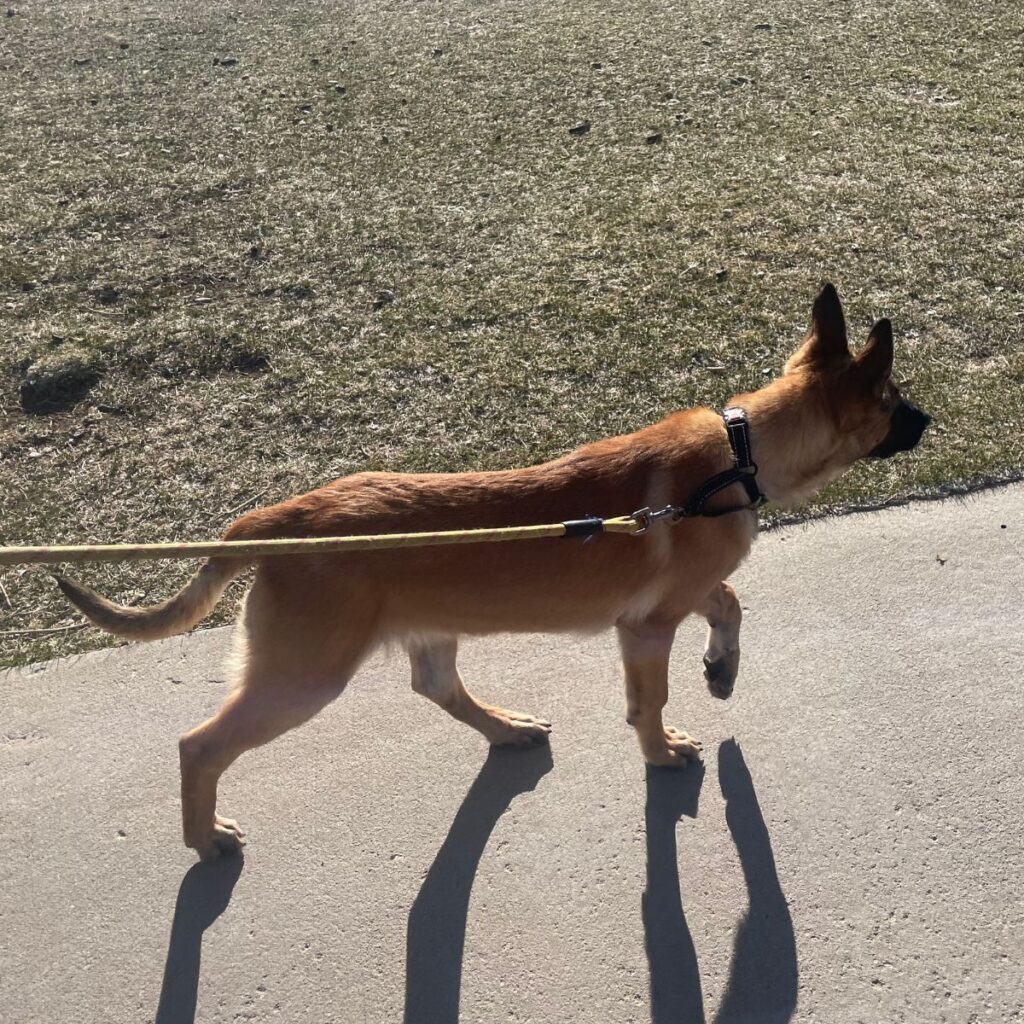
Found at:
(308, 621)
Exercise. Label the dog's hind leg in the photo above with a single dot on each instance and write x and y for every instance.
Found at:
(293, 666)
(252, 715)
(435, 675)
(646, 647)
(722, 654)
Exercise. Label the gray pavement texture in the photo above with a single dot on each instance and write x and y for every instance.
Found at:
(852, 850)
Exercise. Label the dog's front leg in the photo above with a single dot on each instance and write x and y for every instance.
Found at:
(722, 654)
(646, 647)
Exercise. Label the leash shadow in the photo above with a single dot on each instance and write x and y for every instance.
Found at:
(203, 896)
(675, 988)
(436, 933)
(763, 976)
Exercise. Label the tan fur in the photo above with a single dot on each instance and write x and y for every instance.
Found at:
(310, 620)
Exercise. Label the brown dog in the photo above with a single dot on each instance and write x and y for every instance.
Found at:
(309, 621)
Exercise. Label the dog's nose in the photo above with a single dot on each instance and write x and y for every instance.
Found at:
(919, 421)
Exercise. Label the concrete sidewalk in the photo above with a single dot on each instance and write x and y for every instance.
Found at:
(853, 852)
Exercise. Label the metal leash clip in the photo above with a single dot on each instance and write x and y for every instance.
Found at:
(644, 517)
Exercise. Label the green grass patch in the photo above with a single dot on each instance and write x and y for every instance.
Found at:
(249, 248)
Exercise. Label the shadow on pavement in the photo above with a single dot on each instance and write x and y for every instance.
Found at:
(763, 975)
(204, 894)
(675, 978)
(437, 921)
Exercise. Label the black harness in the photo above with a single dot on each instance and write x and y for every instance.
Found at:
(744, 471)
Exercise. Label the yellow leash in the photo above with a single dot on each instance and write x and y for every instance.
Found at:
(634, 525)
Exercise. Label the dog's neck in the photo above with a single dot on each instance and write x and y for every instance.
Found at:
(795, 458)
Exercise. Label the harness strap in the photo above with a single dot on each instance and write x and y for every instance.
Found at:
(743, 472)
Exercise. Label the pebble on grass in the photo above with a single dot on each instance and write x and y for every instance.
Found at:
(580, 129)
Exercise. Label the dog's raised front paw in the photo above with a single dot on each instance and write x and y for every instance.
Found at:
(720, 673)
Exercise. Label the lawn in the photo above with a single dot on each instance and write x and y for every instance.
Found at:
(247, 248)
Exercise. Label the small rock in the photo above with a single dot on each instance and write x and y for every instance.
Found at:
(122, 46)
(225, 62)
(28, 286)
(438, 52)
(653, 138)
(740, 80)
(722, 274)
(80, 62)
(941, 559)
(596, 65)
(763, 26)
(107, 296)
(384, 298)
(340, 90)
(121, 833)
(306, 108)
(580, 129)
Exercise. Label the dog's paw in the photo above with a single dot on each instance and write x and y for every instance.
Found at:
(720, 673)
(679, 748)
(224, 838)
(514, 729)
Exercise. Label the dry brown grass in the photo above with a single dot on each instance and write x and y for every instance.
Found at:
(198, 251)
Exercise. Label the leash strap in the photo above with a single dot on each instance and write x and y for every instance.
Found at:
(744, 471)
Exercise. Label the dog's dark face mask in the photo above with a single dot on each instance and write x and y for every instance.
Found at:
(906, 426)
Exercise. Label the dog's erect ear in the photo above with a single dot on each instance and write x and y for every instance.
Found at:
(827, 337)
(875, 361)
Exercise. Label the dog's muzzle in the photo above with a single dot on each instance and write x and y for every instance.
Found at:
(905, 429)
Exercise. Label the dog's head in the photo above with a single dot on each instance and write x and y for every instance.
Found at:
(872, 418)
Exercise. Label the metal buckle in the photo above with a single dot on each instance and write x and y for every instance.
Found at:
(642, 517)
(645, 516)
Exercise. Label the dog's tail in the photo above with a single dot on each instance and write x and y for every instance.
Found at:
(176, 615)
(201, 594)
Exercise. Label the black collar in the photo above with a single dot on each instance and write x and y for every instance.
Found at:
(744, 471)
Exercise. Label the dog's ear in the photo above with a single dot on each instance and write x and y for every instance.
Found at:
(875, 361)
(827, 336)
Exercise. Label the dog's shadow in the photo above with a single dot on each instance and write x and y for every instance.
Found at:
(437, 921)
(203, 896)
(675, 977)
(763, 975)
